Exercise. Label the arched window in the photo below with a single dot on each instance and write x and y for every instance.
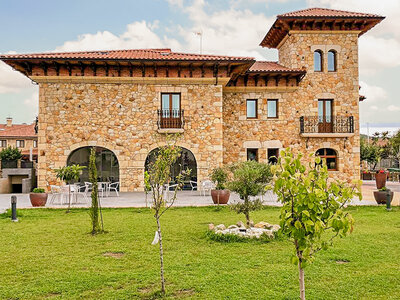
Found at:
(332, 61)
(106, 163)
(318, 61)
(329, 157)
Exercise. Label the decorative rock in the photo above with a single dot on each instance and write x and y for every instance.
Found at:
(263, 225)
(240, 224)
(232, 227)
(251, 224)
(211, 226)
(220, 227)
(275, 227)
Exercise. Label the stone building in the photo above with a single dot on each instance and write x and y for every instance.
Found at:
(225, 108)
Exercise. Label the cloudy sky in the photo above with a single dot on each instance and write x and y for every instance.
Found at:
(228, 26)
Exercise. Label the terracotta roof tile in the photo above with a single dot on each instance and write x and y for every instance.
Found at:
(18, 130)
(325, 12)
(272, 66)
(133, 54)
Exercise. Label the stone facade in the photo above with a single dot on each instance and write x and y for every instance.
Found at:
(120, 115)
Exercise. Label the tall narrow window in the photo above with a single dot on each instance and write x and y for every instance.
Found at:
(273, 154)
(332, 61)
(20, 143)
(318, 61)
(251, 108)
(272, 108)
(35, 143)
(329, 157)
(252, 154)
(171, 113)
(3, 143)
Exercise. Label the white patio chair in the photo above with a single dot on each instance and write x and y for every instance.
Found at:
(81, 191)
(193, 185)
(101, 189)
(113, 187)
(206, 186)
(167, 190)
(89, 186)
(55, 191)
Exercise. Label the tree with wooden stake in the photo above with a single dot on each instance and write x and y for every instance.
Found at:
(313, 207)
(68, 174)
(157, 177)
(95, 208)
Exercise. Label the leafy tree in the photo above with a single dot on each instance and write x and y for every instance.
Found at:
(312, 214)
(94, 208)
(157, 177)
(248, 179)
(371, 153)
(10, 154)
(68, 174)
(395, 147)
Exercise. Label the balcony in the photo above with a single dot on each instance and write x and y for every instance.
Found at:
(332, 126)
(170, 120)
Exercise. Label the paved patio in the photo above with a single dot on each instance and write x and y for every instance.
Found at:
(187, 198)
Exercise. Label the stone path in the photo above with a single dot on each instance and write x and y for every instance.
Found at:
(187, 198)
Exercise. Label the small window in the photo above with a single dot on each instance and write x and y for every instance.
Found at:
(3, 143)
(273, 154)
(272, 108)
(329, 156)
(318, 61)
(20, 143)
(251, 108)
(252, 154)
(34, 144)
(332, 61)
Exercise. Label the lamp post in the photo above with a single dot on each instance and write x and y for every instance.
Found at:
(14, 209)
(388, 200)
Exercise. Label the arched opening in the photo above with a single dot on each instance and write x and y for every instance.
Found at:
(185, 161)
(318, 61)
(106, 163)
(332, 60)
(329, 156)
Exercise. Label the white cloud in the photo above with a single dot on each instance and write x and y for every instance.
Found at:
(12, 81)
(393, 108)
(373, 93)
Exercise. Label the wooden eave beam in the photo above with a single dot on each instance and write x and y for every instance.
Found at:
(69, 67)
(119, 69)
(83, 66)
(93, 66)
(44, 67)
(143, 69)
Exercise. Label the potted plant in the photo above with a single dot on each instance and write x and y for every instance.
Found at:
(220, 195)
(381, 195)
(38, 197)
(366, 175)
(380, 179)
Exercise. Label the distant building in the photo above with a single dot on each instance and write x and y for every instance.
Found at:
(21, 136)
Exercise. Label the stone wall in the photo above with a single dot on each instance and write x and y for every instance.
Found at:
(341, 86)
(122, 118)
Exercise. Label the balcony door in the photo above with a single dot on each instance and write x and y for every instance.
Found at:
(325, 120)
(171, 110)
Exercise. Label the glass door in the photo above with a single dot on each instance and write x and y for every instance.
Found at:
(171, 111)
(325, 115)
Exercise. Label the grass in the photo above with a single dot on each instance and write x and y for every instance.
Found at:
(50, 255)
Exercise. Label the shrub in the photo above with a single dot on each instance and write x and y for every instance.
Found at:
(10, 154)
(38, 190)
(219, 176)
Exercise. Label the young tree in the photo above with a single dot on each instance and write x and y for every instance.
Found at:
(68, 174)
(248, 179)
(312, 214)
(94, 209)
(156, 178)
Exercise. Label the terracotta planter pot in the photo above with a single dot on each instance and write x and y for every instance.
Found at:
(380, 179)
(380, 196)
(367, 176)
(221, 196)
(38, 199)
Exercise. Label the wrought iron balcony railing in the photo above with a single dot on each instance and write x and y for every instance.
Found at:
(170, 118)
(327, 124)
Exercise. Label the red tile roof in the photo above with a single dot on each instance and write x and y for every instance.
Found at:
(326, 13)
(303, 20)
(133, 54)
(272, 66)
(18, 130)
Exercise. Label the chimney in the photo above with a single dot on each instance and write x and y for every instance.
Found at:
(9, 122)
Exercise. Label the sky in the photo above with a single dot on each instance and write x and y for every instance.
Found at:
(228, 27)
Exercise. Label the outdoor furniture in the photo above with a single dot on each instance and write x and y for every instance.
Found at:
(55, 191)
(81, 191)
(101, 188)
(89, 186)
(193, 185)
(167, 190)
(206, 186)
(113, 187)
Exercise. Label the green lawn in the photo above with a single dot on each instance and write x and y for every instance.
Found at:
(49, 254)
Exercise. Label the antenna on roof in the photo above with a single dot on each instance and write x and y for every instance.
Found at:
(200, 34)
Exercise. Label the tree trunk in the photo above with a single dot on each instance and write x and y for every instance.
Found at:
(301, 282)
(161, 257)
(69, 197)
(247, 214)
